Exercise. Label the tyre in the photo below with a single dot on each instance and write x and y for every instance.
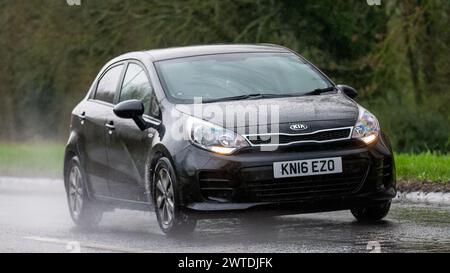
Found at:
(372, 213)
(172, 220)
(84, 212)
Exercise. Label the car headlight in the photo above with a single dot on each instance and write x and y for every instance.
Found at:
(212, 137)
(367, 127)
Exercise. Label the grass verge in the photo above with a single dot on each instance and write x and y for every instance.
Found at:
(425, 167)
(31, 159)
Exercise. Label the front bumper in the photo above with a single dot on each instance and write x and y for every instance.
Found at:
(213, 185)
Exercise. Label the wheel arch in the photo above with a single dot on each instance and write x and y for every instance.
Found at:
(70, 152)
(157, 152)
(73, 150)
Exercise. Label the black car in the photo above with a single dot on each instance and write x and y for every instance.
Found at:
(223, 130)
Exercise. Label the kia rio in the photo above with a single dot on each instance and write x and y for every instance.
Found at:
(223, 130)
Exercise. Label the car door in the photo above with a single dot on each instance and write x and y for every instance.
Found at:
(93, 118)
(127, 145)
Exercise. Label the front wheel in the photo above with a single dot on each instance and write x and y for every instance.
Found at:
(372, 213)
(172, 220)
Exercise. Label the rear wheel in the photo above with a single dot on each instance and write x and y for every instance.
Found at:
(83, 211)
(172, 220)
(372, 213)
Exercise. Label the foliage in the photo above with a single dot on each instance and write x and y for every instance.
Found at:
(412, 128)
(396, 55)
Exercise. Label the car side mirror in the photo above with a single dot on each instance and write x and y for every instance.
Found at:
(132, 109)
(348, 90)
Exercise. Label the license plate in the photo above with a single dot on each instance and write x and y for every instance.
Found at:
(307, 167)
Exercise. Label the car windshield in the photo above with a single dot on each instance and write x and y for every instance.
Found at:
(238, 76)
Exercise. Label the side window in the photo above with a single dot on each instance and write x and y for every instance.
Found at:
(136, 86)
(107, 85)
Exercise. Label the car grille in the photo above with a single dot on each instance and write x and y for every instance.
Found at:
(263, 188)
(285, 139)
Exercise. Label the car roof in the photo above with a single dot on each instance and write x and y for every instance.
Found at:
(189, 51)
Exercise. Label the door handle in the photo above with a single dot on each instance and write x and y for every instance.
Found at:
(82, 117)
(110, 127)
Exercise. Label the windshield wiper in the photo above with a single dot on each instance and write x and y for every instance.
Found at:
(319, 91)
(269, 95)
(247, 96)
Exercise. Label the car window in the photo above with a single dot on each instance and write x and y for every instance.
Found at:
(107, 85)
(136, 86)
(227, 75)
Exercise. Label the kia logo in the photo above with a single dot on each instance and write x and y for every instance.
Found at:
(298, 127)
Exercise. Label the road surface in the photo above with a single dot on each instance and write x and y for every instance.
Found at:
(34, 218)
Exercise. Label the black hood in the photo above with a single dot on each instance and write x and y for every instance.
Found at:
(317, 112)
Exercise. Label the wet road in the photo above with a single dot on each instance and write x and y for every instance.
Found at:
(34, 218)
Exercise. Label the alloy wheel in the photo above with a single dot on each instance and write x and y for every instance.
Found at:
(165, 197)
(75, 192)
